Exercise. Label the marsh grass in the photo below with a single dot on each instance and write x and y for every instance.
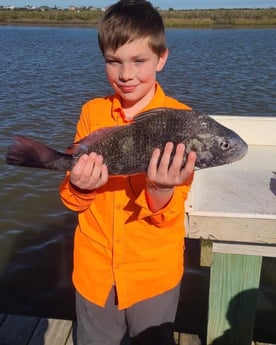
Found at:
(172, 18)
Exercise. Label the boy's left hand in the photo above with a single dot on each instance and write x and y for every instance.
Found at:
(166, 175)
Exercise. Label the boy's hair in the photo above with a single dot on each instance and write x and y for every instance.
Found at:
(128, 20)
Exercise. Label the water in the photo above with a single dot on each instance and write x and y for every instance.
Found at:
(46, 74)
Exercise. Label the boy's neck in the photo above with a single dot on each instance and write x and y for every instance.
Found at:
(131, 112)
(132, 109)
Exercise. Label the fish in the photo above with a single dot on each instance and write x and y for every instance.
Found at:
(127, 149)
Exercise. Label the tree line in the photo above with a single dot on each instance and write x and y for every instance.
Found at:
(172, 18)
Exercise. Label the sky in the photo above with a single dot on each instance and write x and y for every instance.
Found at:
(163, 4)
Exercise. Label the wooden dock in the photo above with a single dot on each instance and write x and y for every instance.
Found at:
(32, 330)
(232, 210)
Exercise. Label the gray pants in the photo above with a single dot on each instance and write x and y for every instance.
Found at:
(149, 322)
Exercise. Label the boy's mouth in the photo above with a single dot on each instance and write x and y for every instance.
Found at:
(127, 88)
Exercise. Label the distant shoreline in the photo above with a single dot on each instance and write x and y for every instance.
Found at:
(172, 18)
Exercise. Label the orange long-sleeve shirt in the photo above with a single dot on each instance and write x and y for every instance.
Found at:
(118, 240)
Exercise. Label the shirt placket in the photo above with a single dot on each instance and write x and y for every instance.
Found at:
(118, 249)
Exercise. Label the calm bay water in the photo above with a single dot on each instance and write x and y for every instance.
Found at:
(46, 75)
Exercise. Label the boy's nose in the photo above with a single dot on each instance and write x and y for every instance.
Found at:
(125, 72)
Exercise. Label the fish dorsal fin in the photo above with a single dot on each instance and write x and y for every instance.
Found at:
(150, 113)
(90, 140)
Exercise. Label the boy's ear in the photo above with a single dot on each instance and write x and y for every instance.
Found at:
(162, 60)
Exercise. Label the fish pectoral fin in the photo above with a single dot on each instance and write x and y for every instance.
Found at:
(83, 145)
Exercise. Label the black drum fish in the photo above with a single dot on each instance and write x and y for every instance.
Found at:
(127, 149)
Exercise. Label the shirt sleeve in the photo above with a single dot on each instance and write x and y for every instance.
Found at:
(72, 198)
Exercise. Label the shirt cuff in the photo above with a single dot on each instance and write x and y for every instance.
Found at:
(165, 216)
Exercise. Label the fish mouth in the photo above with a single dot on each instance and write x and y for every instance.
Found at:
(243, 149)
(237, 153)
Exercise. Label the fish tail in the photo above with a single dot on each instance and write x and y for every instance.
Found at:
(29, 153)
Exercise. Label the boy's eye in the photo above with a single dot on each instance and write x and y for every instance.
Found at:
(117, 62)
(111, 61)
(139, 61)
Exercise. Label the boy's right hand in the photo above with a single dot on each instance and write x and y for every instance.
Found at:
(89, 172)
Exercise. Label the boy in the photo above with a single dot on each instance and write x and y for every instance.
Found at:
(128, 251)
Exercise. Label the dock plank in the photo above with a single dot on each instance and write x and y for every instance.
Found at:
(58, 332)
(70, 340)
(53, 332)
(15, 330)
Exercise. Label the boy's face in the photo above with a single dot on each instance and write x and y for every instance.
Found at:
(131, 71)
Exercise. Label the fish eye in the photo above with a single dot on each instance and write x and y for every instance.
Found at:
(225, 145)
